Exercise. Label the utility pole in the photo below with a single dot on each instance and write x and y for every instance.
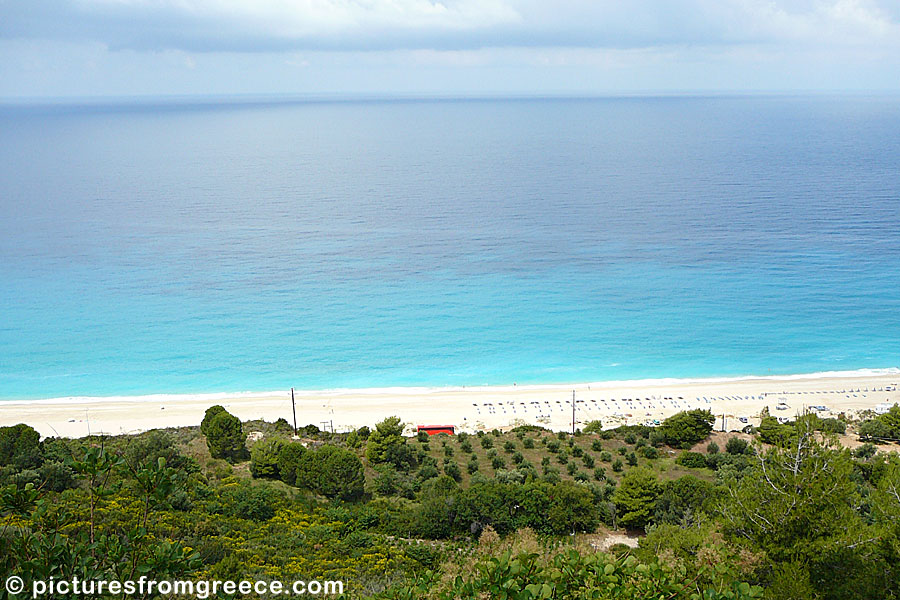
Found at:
(294, 409)
(573, 412)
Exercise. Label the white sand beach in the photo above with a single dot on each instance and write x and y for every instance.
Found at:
(471, 408)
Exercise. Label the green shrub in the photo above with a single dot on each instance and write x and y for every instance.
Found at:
(737, 446)
(225, 437)
(687, 427)
(289, 460)
(333, 472)
(20, 447)
(264, 458)
(693, 460)
(210, 414)
(451, 469)
(595, 426)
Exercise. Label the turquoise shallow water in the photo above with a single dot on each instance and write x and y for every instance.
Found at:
(181, 248)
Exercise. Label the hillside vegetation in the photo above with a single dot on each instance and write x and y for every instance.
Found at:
(783, 513)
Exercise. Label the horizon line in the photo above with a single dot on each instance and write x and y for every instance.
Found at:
(336, 97)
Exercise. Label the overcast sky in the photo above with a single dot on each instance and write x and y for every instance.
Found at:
(53, 48)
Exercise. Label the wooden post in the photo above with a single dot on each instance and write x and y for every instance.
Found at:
(573, 412)
(294, 409)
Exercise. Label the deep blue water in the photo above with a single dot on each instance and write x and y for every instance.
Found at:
(165, 248)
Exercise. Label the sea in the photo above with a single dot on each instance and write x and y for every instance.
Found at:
(184, 246)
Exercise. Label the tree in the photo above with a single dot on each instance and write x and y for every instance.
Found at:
(20, 446)
(288, 460)
(436, 516)
(693, 460)
(211, 413)
(264, 458)
(636, 497)
(874, 429)
(737, 446)
(892, 419)
(595, 426)
(225, 437)
(798, 504)
(681, 501)
(571, 508)
(387, 445)
(686, 428)
(333, 472)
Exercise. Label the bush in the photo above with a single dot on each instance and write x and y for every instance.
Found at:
(422, 436)
(595, 426)
(631, 459)
(451, 469)
(256, 503)
(600, 474)
(712, 448)
(528, 443)
(333, 472)
(57, 476)
(650, 452)
(865, 451)
(618, 465)
(636, 497)
(20, 446)
(264, 458)
(472, 465)
(225, 437)
(387, 445)
(606, 456)
(211, 413)
(517, 458)
(832, 425)
(693, 460)
(686, 428)
(588, 461)
(874, 429)
(737, 446)
(146, 450)
(597, 446)
(427, 471)
(509, 446)
(487, 442)
(289, 456)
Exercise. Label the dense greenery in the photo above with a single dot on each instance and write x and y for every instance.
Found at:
(883, 427)
(787, 514)
(225, 435)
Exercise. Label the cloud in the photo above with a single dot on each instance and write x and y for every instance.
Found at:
(350, 25)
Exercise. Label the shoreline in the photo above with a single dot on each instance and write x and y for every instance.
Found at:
(470, 408)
